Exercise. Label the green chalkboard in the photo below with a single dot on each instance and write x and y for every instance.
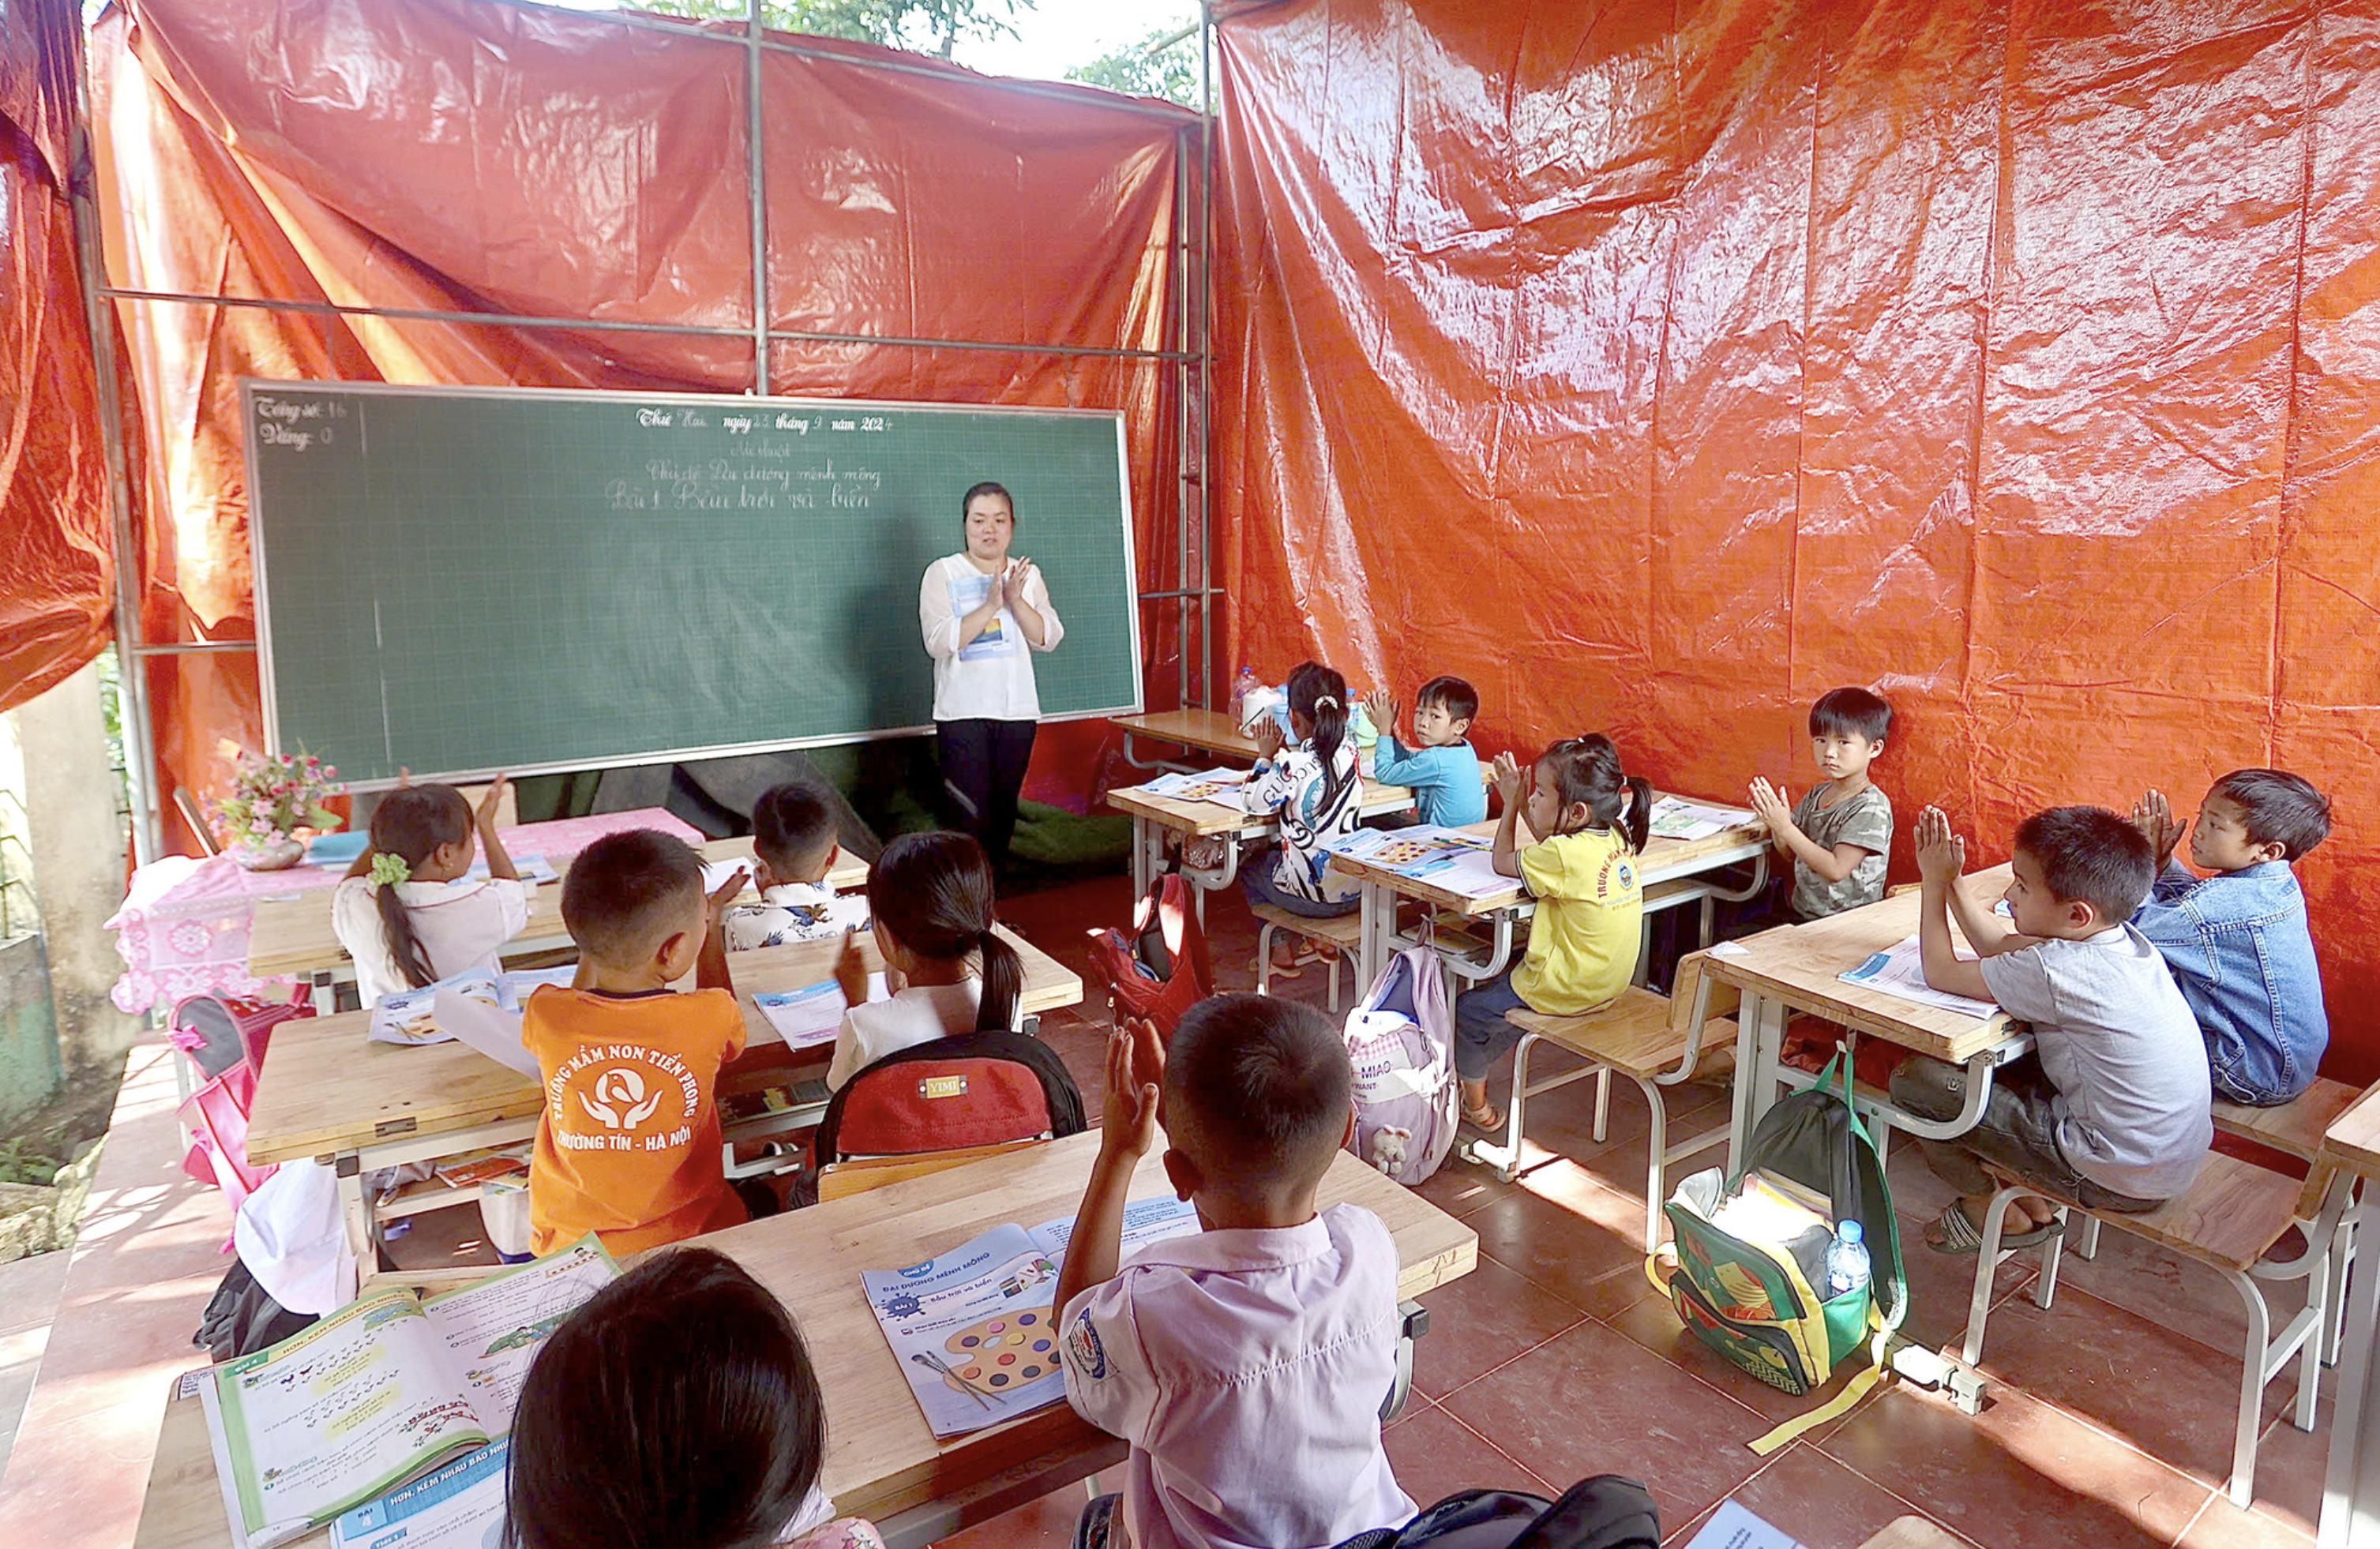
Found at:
(459, 581)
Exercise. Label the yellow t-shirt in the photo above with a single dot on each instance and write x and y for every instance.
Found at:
(628, 1146)
(1583, 941)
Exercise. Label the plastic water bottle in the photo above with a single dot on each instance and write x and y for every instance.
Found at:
(1242, 686)
(1847, 1266)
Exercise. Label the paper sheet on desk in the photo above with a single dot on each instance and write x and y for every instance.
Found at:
(489, 1030)
(716, 873)
(1676, 818)
(813, 1015)
(1897, 972)
(413, 1016)
(458, 1507)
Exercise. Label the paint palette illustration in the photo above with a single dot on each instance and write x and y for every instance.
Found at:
(1002, 1353)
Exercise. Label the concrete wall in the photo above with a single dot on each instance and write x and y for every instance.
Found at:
(30, 1069)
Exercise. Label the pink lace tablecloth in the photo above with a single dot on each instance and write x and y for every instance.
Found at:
(183, 928)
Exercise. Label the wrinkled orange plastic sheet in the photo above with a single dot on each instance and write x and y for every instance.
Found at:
(1658, 369)
(459, 155)
(56, 553)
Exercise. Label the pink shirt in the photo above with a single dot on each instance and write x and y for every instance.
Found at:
(1248, 1370)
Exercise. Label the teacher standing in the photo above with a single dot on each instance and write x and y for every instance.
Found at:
(984, 614)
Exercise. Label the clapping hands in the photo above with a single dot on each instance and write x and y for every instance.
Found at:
(1941, 854)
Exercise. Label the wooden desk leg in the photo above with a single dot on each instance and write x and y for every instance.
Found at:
(2351, 1495)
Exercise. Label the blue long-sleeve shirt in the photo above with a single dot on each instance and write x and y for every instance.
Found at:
(2242, 953)
(1445, 781)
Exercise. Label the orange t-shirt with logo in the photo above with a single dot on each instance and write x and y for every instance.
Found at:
(628, 1146)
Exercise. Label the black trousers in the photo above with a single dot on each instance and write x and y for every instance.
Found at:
(983, 768)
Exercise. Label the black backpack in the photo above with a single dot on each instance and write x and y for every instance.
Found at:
(1604, 1512)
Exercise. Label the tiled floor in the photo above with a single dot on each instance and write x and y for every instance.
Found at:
(2110, 1416)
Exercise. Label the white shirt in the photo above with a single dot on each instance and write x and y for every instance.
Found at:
(920, 1014)
(1246, 1369)
(2121, 1047)
(460, 925)
(794, 912)
(990, 677)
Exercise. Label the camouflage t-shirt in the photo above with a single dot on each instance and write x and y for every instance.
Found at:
(1864, 820)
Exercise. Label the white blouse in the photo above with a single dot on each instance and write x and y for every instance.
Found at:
(990, 677)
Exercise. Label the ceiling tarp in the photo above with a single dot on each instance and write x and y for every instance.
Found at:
(459, 155)
(1660, 368)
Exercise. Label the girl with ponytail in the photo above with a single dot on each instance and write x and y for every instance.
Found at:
(1589, 819)
(405, 911)
(931, 896)
(1314, 786)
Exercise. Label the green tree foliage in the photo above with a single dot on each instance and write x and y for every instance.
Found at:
(920, 26)
(1162, 64)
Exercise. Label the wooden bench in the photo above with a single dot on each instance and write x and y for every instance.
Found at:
(2230, 1216)
(1653, 1040)
(1345, 932)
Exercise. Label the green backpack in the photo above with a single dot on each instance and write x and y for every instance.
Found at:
(1762, 1305)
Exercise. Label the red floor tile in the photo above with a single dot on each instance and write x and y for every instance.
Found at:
(2225, 1525)
(2022, 1475)
(1592, 1402)
(1482, 1321)
(1435, 1455)
(1651, 1324)
(1563, 1230)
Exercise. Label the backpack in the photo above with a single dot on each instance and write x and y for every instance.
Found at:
(1604, 1512)
(974, 1089)
(1401, 1040)
(1158, 968)
(225, 1037)
(1760, 1304)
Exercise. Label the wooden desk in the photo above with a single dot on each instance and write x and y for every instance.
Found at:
(2351, 1495)
(1799, 968)
(1153, 817)
(1208, 731)
(882, 1463)
(328, 1092)
(1673, 872)
(293, 936)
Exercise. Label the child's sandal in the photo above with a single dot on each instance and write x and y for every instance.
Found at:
(1484, 1117)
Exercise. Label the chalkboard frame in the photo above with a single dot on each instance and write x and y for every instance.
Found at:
(250, 386)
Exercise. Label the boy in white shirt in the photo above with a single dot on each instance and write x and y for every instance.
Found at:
(793, 848)
(1246, 1365)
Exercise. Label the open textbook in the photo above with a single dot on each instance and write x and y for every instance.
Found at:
(973, 1330)
(1897, 972)
(1220, 786)
(381, 1390)
(411, 1016)
(807, 1017)
(1447, 858)
(1676, 818)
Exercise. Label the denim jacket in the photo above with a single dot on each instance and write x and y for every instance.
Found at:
(2241, 950)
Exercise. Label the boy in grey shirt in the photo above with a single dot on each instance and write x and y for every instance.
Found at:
(1839, 832)
(2115, 1110)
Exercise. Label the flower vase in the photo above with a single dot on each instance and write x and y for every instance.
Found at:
(273, 855)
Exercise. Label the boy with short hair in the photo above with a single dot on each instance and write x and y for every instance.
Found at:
(2238, 941)
(1245, 1365)
(628, 1146)
(1439, 769)
(2112, 1111)
(1839, 831)
(793, 848)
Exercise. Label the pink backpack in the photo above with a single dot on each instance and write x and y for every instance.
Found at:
(1400, 1038)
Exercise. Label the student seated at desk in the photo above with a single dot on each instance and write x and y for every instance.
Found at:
(1441, 769)
(793, 848)
(1595, 817)
(628, 1145)
(1840, 830)
(950, 972)
(676, 1410)
(1314, 786)
(2112, 1109)
(1246, 1365)
(2238, 941)
(403, 911)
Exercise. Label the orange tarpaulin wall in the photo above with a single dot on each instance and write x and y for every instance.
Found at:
(56, 554)
(1658, 367)
(459, 155)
